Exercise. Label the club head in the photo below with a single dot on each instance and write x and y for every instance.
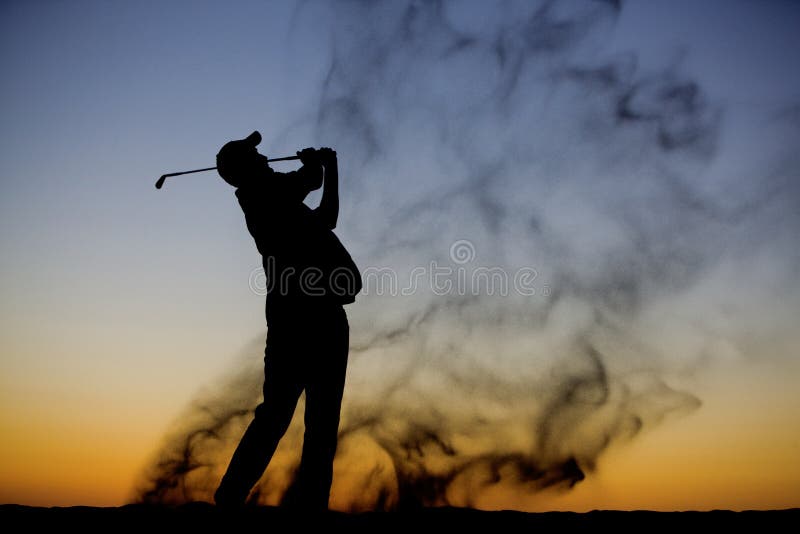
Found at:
(160, 181)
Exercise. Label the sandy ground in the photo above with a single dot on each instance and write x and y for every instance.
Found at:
(203, 516)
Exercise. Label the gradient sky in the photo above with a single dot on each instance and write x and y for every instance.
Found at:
(118, 302)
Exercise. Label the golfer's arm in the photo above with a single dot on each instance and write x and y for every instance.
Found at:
(328, 209)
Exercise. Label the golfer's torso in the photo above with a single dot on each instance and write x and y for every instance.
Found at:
(304, 262)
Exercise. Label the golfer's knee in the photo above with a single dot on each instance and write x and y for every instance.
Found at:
(322, 437)
(274, 416)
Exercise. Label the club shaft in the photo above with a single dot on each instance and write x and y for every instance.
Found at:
(187, 172)
(287, 158)
(163, 177)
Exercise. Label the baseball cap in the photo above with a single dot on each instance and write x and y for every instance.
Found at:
(234, 158)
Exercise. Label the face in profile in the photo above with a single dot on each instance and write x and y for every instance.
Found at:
(240, 164)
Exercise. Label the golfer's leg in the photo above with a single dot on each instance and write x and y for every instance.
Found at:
(281, 391)
(324, 392)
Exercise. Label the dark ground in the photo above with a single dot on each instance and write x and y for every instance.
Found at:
(203, 516)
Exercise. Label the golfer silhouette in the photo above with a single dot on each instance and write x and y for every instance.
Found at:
(310, 276)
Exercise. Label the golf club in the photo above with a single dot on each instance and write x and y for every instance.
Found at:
(163, 177)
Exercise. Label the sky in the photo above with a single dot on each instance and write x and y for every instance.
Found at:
(642, 162)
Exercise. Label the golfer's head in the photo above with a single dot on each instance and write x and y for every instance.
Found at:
(238, 162)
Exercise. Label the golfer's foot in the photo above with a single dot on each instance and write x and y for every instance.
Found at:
(224, 499)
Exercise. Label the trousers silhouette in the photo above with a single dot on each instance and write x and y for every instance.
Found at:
(307, 351)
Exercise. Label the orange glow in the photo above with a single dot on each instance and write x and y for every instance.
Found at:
(738, 451)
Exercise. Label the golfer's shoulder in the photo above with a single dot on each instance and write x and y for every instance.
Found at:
(255, 191)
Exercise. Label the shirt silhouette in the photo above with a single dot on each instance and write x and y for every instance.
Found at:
(310, 276)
